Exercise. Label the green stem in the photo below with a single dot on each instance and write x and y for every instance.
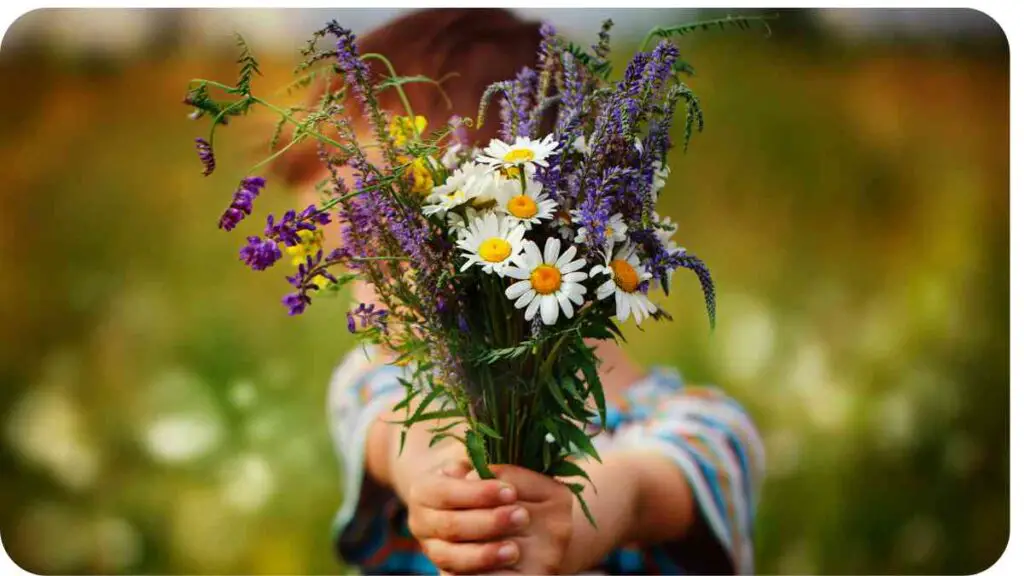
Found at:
(372, 258)
(398, 87)
(274, 156)
(272, 107)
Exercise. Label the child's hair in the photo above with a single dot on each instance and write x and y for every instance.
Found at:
(480, 45)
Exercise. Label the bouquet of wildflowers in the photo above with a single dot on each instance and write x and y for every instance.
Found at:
(496, 267)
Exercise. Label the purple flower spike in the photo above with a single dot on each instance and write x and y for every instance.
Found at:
(206, 156)
(296, 303)
(241, 204)
(260, 254)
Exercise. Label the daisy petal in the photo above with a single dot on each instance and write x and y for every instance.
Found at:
(531, 310)
(621, 307)
(518, 289)
(563, 301)
(525, 299)
(566, 257)
(549, 309)
(533, 256)
(551, 248)
(573, 266)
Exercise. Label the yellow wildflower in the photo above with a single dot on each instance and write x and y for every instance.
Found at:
(421, 178)
(312, 242)
(402, 128)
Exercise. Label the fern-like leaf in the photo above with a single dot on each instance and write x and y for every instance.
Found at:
(739, 22)
(598, 66)
(248, 66)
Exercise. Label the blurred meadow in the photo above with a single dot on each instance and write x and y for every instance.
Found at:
(161, 413)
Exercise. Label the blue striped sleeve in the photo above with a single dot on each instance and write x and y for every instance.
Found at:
(361, 389)
(717, 448)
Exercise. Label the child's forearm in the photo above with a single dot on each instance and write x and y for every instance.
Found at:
(393, 470)
(640, 498)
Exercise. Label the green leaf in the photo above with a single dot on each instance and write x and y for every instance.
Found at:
(556, 392)
(566, 468)
(431, 396)
(577, 490)
(487, 430)
(440, 415)
(446, 427)
(401, 441)
(582, 441)
(439, 437)
(596, 389)
(478, 454)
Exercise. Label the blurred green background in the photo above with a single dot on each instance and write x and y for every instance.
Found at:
(161, 412)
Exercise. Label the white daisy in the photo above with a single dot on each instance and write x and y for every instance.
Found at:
(463, 185)
(664, 232)
(547, 281)
(529, 207)
(524, 152)
(457, 221)
(660, 175)
(492, 242)
(626, 274)
(614, 231)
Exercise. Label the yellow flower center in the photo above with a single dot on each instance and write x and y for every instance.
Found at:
(510, 172)
(456, 196)
(522, 206)
(625, 276)
(545, 279)
(519, 155)
(495, 249)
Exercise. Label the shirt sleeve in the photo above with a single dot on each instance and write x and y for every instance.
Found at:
(361, 389)
(718, 450)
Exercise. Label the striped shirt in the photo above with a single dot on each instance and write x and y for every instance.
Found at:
(701, 429)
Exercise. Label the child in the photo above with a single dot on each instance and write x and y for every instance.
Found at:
(681, 465)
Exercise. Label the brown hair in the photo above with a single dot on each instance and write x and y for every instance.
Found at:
(480, 45)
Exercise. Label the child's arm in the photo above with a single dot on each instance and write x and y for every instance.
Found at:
(681, 483)
(458, 523)
(636, 497)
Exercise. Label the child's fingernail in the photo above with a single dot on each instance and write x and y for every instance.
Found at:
(519, 517)
(508, 552)
(507, 494)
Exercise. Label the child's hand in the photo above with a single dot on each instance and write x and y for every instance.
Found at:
(464, 525)
(544, 544)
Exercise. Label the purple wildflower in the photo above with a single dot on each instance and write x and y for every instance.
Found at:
(305, 278)
(287, 230)
(357, 73)
(296, 302)
(241, 204)
(596, 208)
(659, 67)
(459, 133)
(260, 254)
(368, 316)
(206, 156)
(523, 88)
